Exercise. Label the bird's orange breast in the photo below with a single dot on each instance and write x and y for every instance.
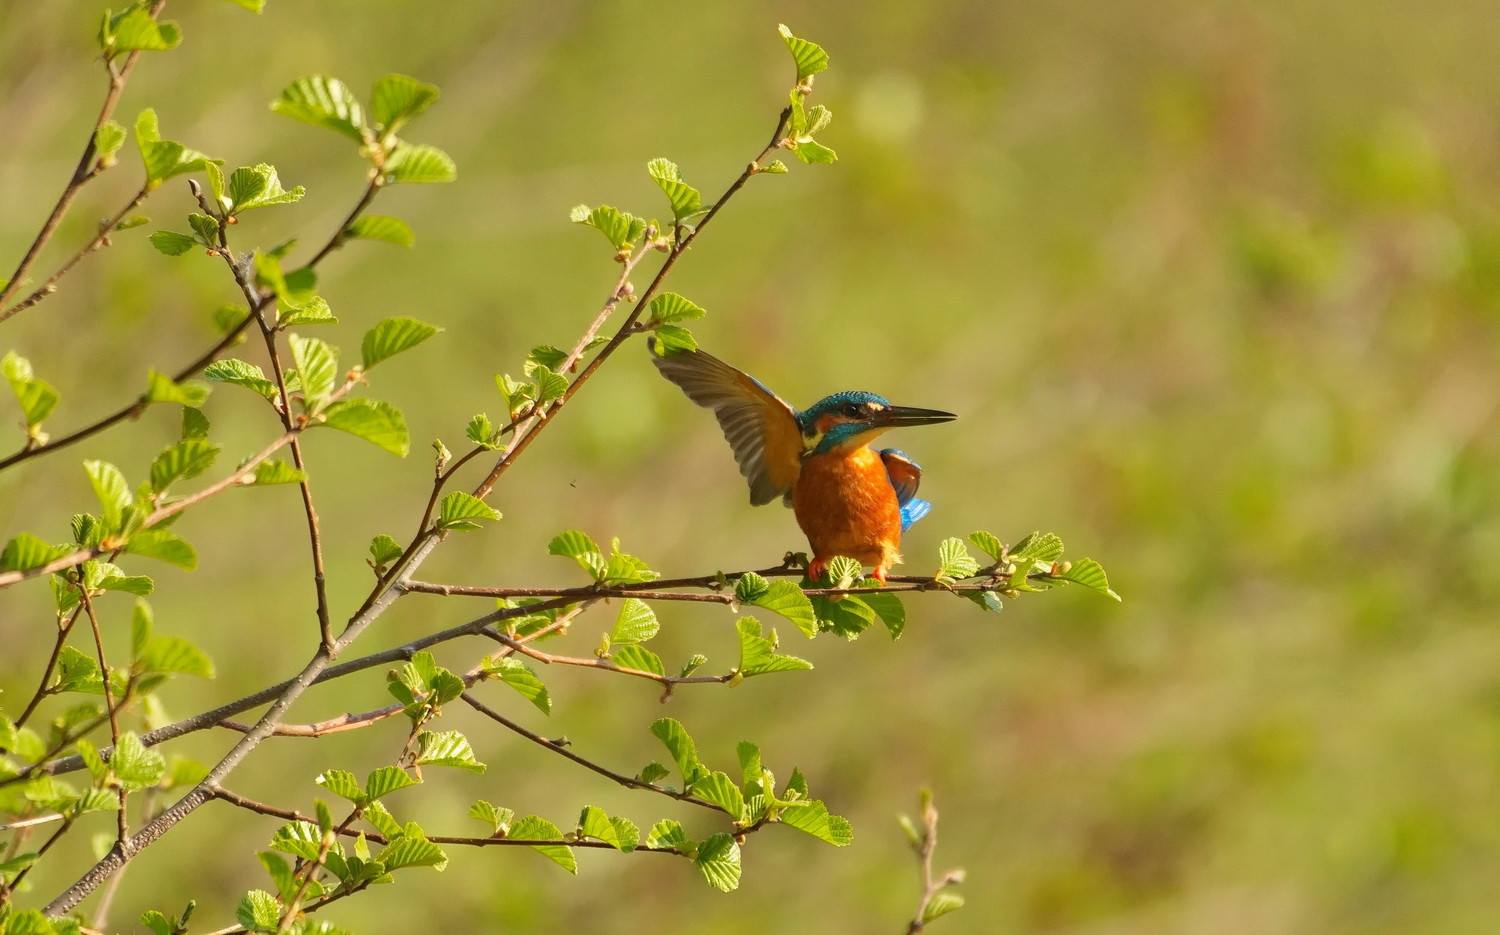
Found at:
(845, 504)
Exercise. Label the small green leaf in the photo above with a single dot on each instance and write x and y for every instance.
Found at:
(393, 336)
(384, 550)
(626, 832)
(397, 99)
(814, 153)
(240, 373)
(954, 561)
(170, 654)
(988, 544)
(182, 461)
(324, 102)
(317, 367)
(313, 312)
(459, 510)
(447, 749)
(671, 339)
(382, 228)
(164, 159)
(1090, 574)
(519, 676)
(652, 772)
(37, 397)
(254, 6)
(172, 243)
(594, 823)
(532, 828)
(26, 552)
(342, 784)
(890, 610)
(632, 656)
(814, 819)
(134, 28)
(718, 860)
(379, 423)
(498, 819)
(774, 167)
(809, 56)
(134, 766)
(385, 780)
(942, 903)
(581, 549)
(620, 228)
(418, 162)
(669, 833)
(481, 432)
(669, 307)
(113, 493)
(758, 654)
(412, 849)
(786, 599)
(685, 199)
(680, 744)
(274, 471)
(722, 791)
(1038, 547)
(107, 140)
(636, 622)
(258, 911)
(160, 388)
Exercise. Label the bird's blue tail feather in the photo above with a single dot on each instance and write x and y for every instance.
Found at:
(913, 510)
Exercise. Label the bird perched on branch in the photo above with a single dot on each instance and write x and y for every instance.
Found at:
(849, 499)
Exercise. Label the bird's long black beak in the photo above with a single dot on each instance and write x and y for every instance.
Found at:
(908, 415)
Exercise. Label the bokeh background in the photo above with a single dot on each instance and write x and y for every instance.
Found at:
(1213, 285)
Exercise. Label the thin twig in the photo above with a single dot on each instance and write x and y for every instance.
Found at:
(670, 681)
(106, 227)
(84, 171)
(122, 823)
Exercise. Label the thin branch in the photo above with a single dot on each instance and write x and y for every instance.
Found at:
(84, 171)
(101, 239)
(670, 681)
(14, 884)
(161, 513)
(377, 181)
(123, 827)
(924, 845)
(31, 822)
(629, 782)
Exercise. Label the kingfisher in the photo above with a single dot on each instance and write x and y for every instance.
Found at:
(849, 499)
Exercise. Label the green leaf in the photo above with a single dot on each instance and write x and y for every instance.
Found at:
(26, 552)
(890, 610)
(814, 153)
(113, 493)
(669, 833)
(685, 199)
(942, 903)
(258, 911)
(135, 766)
(183, 461)
(774, 167)
(669, 307)
(847, 618)
(1090, 574)
(384, 550)
(636, 622)
(382, 228)
(809, 56)
(130, 584)
(240, 373)
(317, 367)
(623, 569)
(274, 471)
(298, 838)
(680, 744)
(160, 388)
(412, 850)
(954, 561)
(134, 28)
(1038, 547)
(758, 654)
(37, 397)
(626, 832)
(632, 656)
(393, 336)
(988, 544)
(814, 819)
(77, 672)
(379, 423)
(418, 162)
(171, 654)
(594, 823)
(205, 227)
(581, 549)
(323, 102)
(719, 861)
(254, 6)
(447, 749)
(314, 312)
(172, 243)
(107, 141)
(342, 784)
(380, 818)
(519, 676)
(652, 772)
(722, 791)
(459, 510)
(257, 186)
(750, 588)
(164, 159)
(620, 228)
(786, 599)
(397, 99)
(670, 339)
(532, 828)
(481, 432)
(499, 819)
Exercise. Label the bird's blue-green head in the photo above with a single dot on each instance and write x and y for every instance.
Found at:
(853, 418)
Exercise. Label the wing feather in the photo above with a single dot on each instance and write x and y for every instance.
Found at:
(760, 427)
(906, 477)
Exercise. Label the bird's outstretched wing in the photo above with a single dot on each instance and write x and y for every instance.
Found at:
(761, 428)
(906, 476)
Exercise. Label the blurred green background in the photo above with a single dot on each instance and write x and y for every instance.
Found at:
(1213, 285)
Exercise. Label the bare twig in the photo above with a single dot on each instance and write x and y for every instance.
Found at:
(924, 843)
(101, 239)
(669, 681)
(123, 827)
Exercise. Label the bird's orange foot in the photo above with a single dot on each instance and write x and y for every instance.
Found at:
(816, 568)
(880, 572)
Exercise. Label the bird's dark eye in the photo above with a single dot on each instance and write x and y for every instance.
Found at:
(853, 410)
